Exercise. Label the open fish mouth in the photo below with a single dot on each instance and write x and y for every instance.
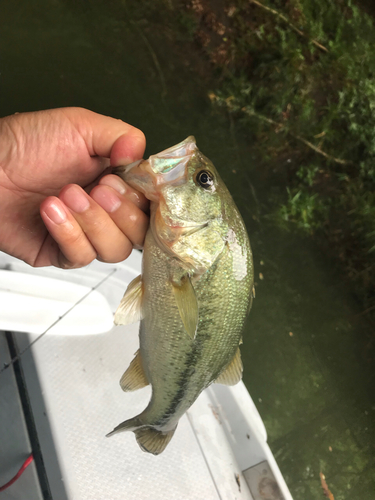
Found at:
(166, 168)
(124, 169)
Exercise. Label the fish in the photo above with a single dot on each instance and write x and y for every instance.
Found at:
(194, 292)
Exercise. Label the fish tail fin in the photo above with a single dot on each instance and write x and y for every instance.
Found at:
(152, 440)
(148, 438)
(128, 425)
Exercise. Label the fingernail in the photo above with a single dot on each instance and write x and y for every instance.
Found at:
(76, 200)
(55, 212)
(125, 160)
(114, 182)
(106, 198)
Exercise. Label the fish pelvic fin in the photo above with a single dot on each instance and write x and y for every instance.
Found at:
(152, 440)
(135, 377)
(233, 372)
(130, 308)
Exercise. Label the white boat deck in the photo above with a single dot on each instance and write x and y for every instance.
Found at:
(71, 374)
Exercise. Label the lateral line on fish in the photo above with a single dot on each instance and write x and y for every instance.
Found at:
(17, 358)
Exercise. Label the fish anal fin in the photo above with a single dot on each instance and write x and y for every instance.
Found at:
(152, 440)
(134, 378)
(187, 304)
(233, 372)
(130, 308)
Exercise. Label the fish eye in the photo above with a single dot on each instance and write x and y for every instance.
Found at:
(205, 179)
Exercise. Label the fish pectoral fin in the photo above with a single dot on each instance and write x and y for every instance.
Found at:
(130, 308)
(152, 440)
(233, 372)
(134, 378)
(187, 305)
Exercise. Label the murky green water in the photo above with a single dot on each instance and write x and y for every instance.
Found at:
(308, 356)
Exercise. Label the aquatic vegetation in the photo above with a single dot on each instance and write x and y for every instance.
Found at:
(298, 76)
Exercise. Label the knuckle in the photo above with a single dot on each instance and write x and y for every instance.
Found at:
(136, 228)
(75, 251)
(117, 253)
(140, 135)
(75, 238)
(101, 229)
(80, 261)
(126, 252)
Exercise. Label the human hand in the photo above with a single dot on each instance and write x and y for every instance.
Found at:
(48, 160)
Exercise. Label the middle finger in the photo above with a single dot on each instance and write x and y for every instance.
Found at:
(110, 243)
(131, 220)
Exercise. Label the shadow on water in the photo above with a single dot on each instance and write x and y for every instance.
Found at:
(309, 361)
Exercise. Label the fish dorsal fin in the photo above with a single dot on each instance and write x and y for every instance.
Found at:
(134, 378)
(153, 441)
(130, 308)
(233, 372)
(187, 305)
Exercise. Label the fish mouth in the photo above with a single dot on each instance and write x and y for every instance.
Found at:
(124, 169)
(165, 168)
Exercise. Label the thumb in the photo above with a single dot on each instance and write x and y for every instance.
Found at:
(107, 137)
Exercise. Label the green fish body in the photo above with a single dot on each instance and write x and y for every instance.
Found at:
(194, 292)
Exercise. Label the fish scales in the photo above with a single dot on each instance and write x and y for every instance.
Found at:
(194, 292)
(169, 353)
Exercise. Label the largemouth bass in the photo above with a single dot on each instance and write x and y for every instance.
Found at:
(194, 292)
